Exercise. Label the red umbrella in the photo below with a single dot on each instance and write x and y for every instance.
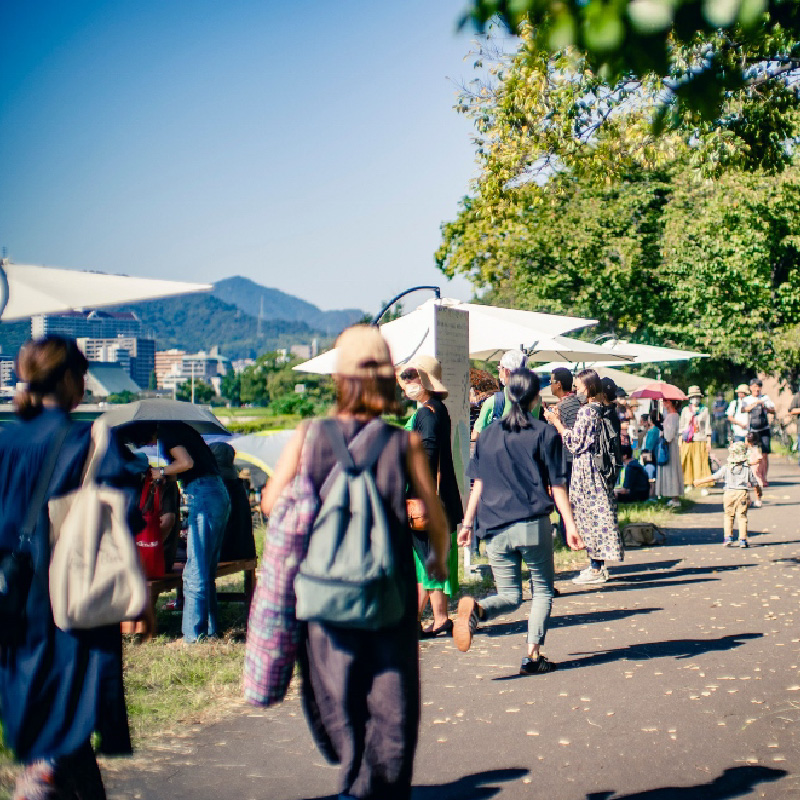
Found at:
(658, 390)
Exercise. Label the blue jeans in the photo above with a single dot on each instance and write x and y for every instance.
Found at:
(209, 509)
(530, 541)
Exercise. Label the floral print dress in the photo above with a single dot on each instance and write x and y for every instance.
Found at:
(593, 507)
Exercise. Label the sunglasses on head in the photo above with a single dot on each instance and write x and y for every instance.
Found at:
(409, 374)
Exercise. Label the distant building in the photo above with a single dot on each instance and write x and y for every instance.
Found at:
(96, 324)
(176, 367)
(136, 355)
(104, 378)
(241, 364)
(8, 377)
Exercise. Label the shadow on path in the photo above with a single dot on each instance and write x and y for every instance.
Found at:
(565, 620)
(478, 786)
(734, 782)
(673, 648)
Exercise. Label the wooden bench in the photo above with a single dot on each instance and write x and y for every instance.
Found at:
(174, 580)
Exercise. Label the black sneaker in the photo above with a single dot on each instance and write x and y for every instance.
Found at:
(536, 666)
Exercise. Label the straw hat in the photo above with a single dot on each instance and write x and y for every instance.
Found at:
(362, 352)
(694, 391)
(430, 373)
(743, 387)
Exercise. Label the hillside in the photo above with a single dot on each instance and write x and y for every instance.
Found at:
(247, 296)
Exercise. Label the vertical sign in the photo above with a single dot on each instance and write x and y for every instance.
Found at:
(451, 339)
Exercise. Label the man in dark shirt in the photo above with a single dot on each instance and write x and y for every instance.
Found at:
(635, 483)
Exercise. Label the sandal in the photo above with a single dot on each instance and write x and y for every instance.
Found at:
(429, 633)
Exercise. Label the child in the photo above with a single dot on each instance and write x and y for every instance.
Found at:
(737, 474)
(756, 460)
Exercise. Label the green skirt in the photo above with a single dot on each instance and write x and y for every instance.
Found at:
(449, 586)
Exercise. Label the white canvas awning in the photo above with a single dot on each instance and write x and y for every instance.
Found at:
(26, 290)
(492, 331)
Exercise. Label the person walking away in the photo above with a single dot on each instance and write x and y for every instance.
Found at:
(591, 499)
(57, 688)
(517, 465)
(361, 687)
(738, 418)
(719, 421)
(754, 457)
(421, 380)
(759, 406)
(635, 484)
(738, 475)
(497, 406)
(191, 461)
(695, 444)
(567, 408)
(669, 477)
(794, 413)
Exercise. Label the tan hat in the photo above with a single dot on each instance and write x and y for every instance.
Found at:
(694, 391)
(430, 373)
(743, 387)
(362, 352)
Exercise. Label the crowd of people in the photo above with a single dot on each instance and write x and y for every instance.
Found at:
(580, 458)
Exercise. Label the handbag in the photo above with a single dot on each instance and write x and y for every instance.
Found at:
(96, 577)
(16, 567)
(662, 451)
(148, 541)
(273, 631)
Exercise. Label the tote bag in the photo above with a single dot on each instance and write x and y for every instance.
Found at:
(95, 574)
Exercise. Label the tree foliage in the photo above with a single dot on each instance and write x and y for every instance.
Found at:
(685, 237)
(203, 392)
(709, 52)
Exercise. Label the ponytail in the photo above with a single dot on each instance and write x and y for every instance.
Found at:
(523, 389)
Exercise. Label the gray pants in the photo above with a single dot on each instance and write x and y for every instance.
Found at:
(531, 542)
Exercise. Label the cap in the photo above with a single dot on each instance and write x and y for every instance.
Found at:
(362, 352)
(694, 391)
(756, 382)
(743, 387)
(513, 359)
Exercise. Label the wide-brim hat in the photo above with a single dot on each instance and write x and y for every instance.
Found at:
(743, 387)
(737, 453)
(430, 373)
(694, 391)
(362, 352)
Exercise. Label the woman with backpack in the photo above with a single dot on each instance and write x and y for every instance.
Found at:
(518, 462)
(592, 501)
(361, 686)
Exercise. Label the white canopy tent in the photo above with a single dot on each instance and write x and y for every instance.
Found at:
(26, 290)
(637, 353)
(492, 331)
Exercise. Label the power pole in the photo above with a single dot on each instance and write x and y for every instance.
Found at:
(260, 331)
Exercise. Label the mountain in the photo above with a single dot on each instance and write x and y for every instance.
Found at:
(248, 295)
(199, 321)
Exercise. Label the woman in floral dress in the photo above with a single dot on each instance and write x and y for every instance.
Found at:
(593, 506)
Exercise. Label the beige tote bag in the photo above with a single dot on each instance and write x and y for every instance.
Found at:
(95, 574)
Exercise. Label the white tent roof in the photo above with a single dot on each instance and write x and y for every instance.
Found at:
(624, 379)
(30, 290)
(638, 353)
(492, 331)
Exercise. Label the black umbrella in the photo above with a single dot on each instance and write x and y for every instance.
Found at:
(157, 410)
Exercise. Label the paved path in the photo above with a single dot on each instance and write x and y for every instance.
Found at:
(678, 679)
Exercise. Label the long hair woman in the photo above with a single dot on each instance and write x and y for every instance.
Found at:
(57, 688)
(361, 688)
(421, 380)
(516, 465)
(593, 505)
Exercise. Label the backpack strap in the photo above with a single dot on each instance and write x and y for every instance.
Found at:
(499, 405)
(341, 450)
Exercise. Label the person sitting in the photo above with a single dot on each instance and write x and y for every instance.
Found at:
(635, 486)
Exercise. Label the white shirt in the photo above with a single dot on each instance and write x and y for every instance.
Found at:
(741, 417)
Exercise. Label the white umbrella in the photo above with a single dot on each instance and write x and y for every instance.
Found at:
(492, 331)
(26, 290)
(623, 379)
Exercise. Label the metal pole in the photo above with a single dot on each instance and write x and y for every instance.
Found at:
(192, 382)
(3, 286)
(435, 289)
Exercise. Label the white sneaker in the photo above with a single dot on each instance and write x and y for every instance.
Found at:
(756, 504)
(673, 503)
(591, 576)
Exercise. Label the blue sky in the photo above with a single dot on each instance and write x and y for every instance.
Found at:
(311, 146)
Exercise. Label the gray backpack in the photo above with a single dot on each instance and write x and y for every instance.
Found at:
(348, 576)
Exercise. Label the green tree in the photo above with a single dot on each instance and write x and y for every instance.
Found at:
(231, 388)
(709, 52)
(122, 397)
(203, 392)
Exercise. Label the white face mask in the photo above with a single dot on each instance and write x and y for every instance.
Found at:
(413, 391)
(695, 401)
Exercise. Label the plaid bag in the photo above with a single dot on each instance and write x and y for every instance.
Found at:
(273, 632)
